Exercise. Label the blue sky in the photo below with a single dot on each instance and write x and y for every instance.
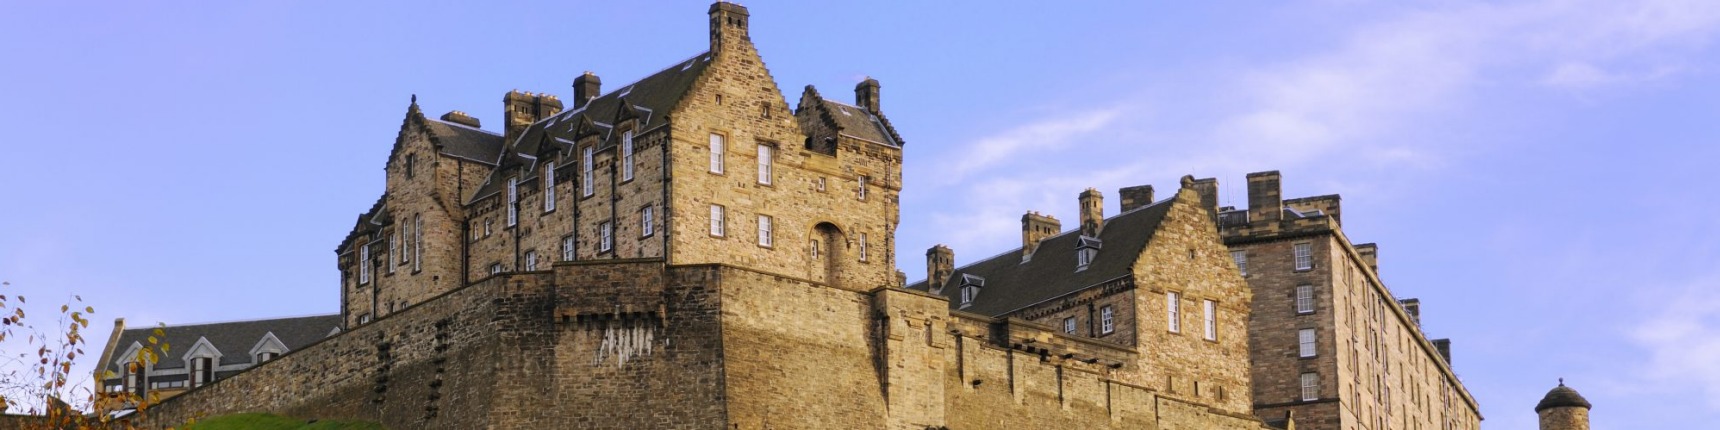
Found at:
(1537, 172)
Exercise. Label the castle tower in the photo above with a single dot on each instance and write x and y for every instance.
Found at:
(1563, 409)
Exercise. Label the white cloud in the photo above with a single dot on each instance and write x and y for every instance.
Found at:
(1683, 341)
(1053, 133)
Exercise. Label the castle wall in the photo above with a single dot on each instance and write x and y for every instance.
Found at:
(431, 366)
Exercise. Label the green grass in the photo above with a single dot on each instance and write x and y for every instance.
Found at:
(275, 422)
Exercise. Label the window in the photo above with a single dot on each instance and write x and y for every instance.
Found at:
(567, 248)
(1107, 320)
(531, 260)
(646, 228)
(201, 371)
(1209, 318)
(815, 249)
(1069, 325)
(1305, 341)
(627, 155)
(1310, 386)
(549, 187)
(393, 243)
(606, 236)
(1305, 299)
(411, 159)
(1173, 311)
(716, 153)
(862, 246)
(495, 268)
(364, 319)
(1304, 256)
(587, 172)
(968, 293)
(417, 242)
(364, 264)
(266, 356)
(134, 377)
(487, 226)
(717, 220)
(764, 230)
(1241, 258)
(765, 156)
(861, 192)
(818, 184)
(513, 202)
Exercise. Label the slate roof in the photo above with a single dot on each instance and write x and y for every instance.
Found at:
(234, 339)
(462, 141)
(1562, 396)
(1011, 284)
(858, 122)
(649, 100)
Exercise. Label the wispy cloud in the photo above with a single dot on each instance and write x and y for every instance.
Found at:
(1683, 341)
(1054, 133)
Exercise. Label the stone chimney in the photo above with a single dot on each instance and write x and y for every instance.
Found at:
(1035, 227)
(1370, 254)
(1092, 212)
(585, 88)
(461, 118)
(1135, 197)
(1444, 347)
(521, 109)
(940, 263)
(728, 25)
(1413, 308)
(1265, 199)
(866, 95)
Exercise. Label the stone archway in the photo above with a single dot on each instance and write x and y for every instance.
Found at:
(826, 249)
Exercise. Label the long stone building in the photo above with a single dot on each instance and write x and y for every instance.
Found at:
(686, 251)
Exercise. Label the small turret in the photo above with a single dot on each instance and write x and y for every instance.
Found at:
(728, 25)
(940, 263)
(1563, 409)
(1035, 227)
(866, 95)
(1092, 212)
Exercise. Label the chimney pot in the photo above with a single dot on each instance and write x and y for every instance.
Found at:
(940, 263)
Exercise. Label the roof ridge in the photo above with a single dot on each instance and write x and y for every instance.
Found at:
(236, 321)
(1042, 240)
(463, 126)
(629, 86)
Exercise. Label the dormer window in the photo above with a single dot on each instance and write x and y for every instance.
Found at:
(202, 371)
(1086, 250)
(970, 288)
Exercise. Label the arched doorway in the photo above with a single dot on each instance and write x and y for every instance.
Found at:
(825, 251)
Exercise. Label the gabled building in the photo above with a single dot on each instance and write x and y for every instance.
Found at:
(196, 354)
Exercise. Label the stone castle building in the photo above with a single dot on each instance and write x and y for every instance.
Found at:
(198, 354)
(686, 251)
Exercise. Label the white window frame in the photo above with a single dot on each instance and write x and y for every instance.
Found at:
(1107, 319)
(718, 146)
(531, 261)
(1241, 259)
(646, 226)
(764, 231)
(606, 236)
(364, 264)
(587, 169)
(495, 268)
(393, 244)
(1069, 325)
(815, 249)
(862, 246)
(627, 155)
(1304, 299)
(417, 242)
(1310, 386)
(968, 293)
(549, 187)
(860, 192)
(1209, 319)
(717, 221)
(201, 372)
(1173, 312)
(1306, 343)
(513, 202)
(567, 248)
(1304, 253)
(766, 155)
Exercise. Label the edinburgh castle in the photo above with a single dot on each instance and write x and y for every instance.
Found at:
(693, 249)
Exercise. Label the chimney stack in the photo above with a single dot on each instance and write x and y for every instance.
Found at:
(1035, 227)
(1444, 347)
(461, 118)
(728, 25)
(866, 95)
(585, 88)
(1413, 308)
(1370, 254)
(940, 263)
(1265, 199)
(1092, 212)
(522, 108)
(1135, 197)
